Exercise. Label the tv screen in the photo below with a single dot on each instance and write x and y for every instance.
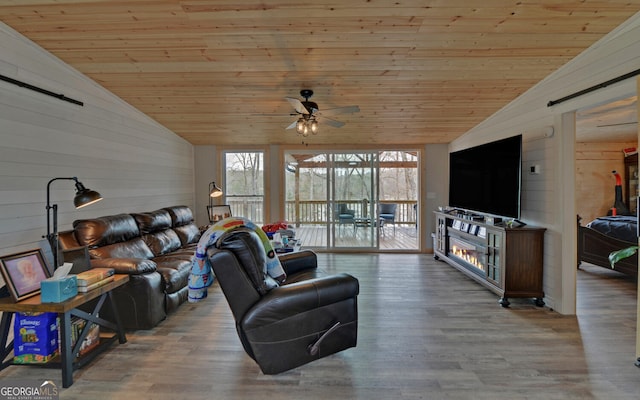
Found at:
(487, 178)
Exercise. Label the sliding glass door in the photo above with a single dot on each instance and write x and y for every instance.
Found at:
(331, 197)
(353, 200)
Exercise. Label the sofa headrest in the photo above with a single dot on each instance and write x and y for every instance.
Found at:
(134, 248)
(153, 221)
(180, 215)
(188, 233)
(105, 230)
(67, 239)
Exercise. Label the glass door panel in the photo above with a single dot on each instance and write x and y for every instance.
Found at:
(353, 197)
(398, 199)
(306, 197)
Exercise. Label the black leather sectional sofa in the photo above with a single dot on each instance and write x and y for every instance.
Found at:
(155, 248)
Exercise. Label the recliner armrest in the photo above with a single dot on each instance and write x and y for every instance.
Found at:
(130, 266)
(295, 298)
(298, 261)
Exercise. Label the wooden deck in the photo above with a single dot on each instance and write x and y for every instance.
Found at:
(314, 237)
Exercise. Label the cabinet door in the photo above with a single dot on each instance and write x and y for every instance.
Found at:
(441, 235)
(494, 255)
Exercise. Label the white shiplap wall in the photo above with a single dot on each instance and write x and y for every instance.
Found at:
(135, 163)
(548, 199)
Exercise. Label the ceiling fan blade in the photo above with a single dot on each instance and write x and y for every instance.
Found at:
(293, 125)
(329, 121)
(297, 105)
(340, 110)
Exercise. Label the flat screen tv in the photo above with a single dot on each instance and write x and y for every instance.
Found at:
(487, 178)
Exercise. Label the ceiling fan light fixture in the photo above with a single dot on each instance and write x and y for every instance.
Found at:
(308, 111)
(300, 126)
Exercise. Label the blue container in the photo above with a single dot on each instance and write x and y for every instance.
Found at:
(35, 337)
(58, 290)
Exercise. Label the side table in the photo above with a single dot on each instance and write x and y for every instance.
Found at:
(66, 310)
(366, 223)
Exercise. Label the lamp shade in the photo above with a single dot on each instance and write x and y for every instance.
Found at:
(214, 190)
(85, 196)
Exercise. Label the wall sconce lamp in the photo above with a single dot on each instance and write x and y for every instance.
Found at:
(83, 198)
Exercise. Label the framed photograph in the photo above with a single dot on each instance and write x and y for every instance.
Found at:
(464, 227)
(456, 224)
(23, 272)
(217, 213)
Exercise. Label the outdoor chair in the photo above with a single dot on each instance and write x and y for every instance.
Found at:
(345, 215)
(388, 214)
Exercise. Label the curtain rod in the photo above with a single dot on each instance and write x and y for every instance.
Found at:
(593, 88)
(40, 90)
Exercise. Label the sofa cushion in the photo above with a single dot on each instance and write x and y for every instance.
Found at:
(107, 230)
(188, 233)
(162, 242)
(180, 215)
(134, 248)
(174, 271)
(153, 221)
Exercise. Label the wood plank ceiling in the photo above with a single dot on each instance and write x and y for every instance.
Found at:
(217, 72)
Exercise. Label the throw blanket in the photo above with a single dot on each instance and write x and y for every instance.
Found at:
(201, 276)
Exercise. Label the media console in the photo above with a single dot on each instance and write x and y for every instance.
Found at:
(507, 260)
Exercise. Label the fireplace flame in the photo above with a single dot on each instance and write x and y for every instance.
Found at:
(467, 255)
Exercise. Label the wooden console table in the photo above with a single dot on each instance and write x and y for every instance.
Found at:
(66, 310)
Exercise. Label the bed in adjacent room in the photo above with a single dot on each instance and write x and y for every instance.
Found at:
(603, 235)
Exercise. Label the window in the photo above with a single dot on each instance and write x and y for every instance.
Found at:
(244, 184)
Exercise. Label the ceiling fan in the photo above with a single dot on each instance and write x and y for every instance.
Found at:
(310, 115)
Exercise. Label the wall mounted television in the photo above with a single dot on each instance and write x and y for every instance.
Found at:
(487, 178)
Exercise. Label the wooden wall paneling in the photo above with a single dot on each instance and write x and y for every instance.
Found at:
(594, 179)
(396, 60)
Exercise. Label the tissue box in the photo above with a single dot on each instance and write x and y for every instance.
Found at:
(56, 290)
(35, 337)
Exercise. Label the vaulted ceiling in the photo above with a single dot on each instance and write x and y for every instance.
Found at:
(217, 72)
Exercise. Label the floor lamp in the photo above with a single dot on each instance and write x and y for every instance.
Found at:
(214, 191)
(83, 198)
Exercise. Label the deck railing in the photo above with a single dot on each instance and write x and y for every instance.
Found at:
(250, 207)
(315, 211)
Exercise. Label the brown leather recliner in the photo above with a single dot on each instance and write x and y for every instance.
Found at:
(310, 316)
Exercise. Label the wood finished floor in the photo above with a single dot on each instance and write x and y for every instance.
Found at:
(425, 332)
